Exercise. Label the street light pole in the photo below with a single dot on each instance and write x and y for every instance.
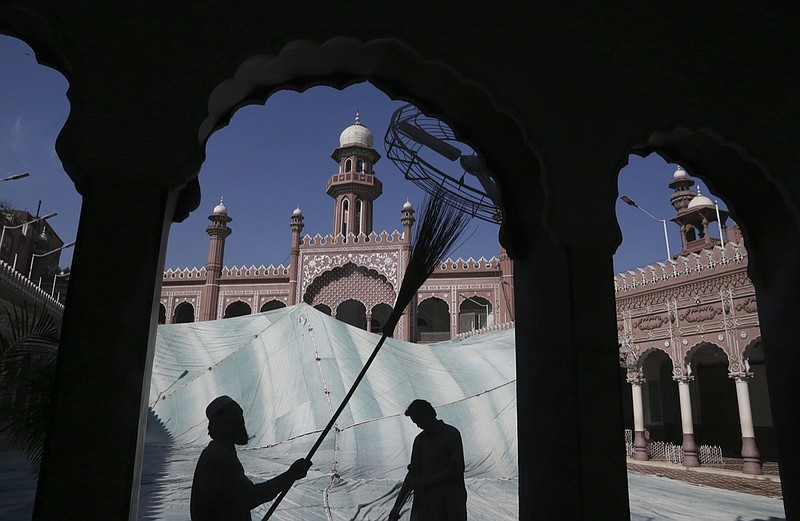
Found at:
(627, 200)
(55, 278)
(719, 224)
(33, 258)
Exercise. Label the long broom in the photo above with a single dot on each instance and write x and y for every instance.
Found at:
(439, 228)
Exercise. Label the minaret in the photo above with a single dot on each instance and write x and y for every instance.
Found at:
(696, 212)
(407, 220)
(294, 254)
(217, 231)
(682, 193)
(354, 185)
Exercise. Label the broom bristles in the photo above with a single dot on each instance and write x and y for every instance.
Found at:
(440, 226)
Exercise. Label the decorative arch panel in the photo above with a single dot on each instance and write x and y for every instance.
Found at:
(350, 281)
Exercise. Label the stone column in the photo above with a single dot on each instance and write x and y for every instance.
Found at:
(687, 426)
(95, 438)
(750, 455)
(571, 450)
(639, 440)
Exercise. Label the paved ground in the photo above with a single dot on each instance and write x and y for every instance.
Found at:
(727, 476)
(658, 491)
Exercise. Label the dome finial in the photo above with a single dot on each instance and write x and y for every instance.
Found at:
(357, 134)
(220, 209)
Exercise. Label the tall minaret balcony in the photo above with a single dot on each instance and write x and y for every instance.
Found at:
(366, 186)
(682, 194)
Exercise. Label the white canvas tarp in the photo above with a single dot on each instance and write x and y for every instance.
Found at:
(289, 369)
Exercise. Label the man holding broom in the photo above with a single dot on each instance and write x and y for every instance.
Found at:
(220, 490)
(436, 472)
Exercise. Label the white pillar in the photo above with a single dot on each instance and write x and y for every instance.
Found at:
(687, 426)
(639, 439)
(750, 455)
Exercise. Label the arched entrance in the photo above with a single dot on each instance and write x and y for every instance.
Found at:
(433, 320)
(324, 308)
(184, 312)
(162, 314)
(237, 309)
(272, 304)
(474, 312)
(662, 413)
(715, 406)
(378, 316)
(352, 312)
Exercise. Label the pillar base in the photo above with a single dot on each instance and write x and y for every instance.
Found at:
(751, 457)
(640, 446)
(689, 451)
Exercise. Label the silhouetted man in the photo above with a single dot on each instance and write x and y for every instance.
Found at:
(436, 472)
(220, 490)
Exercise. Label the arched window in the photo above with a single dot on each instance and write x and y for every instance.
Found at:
(184, 312)
(322, 307)
(474, 313)
(357, 223)
(433, 321)
(348, 165)
(360, 165)
(379, 316)
(237, 309)
(272, 304)
(352, 312)
(345, 213)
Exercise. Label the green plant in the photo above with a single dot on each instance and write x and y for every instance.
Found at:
(28, 350)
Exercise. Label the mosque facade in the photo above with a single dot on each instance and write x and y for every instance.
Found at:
(353, 273)
(690, 343)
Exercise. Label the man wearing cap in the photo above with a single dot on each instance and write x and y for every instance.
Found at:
(220, 490)
(436, 472)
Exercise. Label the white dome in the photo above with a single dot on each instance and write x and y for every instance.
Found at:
(356, 134)
(700, 200)
(407, 205)
(220, 208)
(297, 212)
(680, 173)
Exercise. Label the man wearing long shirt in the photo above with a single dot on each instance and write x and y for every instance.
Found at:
(220, 490)
(436, 472)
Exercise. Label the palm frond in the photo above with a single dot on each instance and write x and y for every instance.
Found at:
(27, 370)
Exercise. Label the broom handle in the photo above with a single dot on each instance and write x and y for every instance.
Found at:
(333, 419)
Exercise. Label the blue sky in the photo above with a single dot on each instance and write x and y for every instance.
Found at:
(266, 162)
